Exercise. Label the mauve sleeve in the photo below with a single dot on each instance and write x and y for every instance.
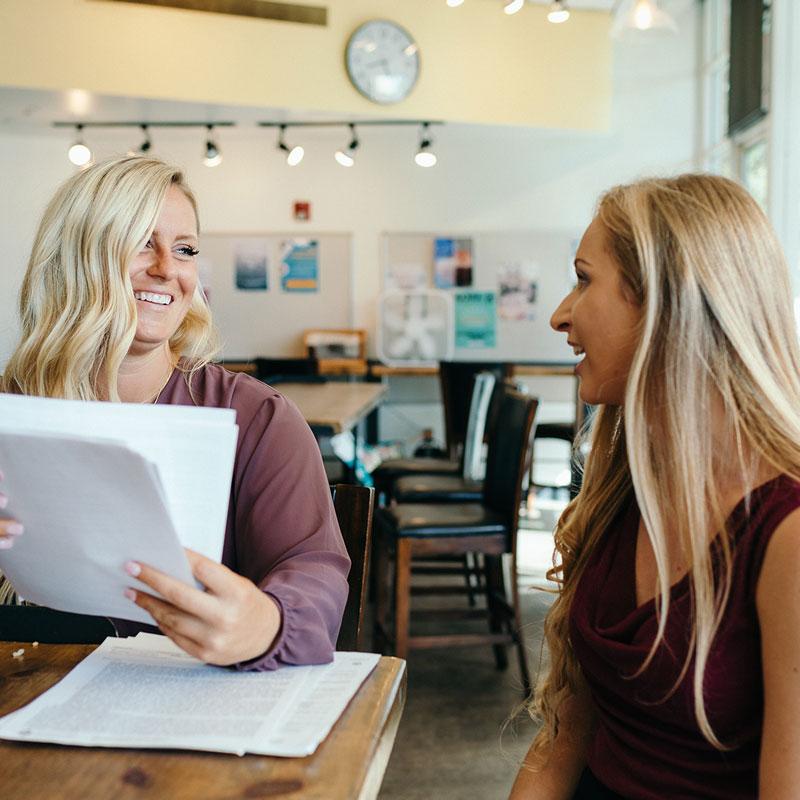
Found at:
(287, 539)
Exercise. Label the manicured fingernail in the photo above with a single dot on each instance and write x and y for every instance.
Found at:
(132, 568)
(3, 500)
(14, 528)
(130, 594)
(6, 544)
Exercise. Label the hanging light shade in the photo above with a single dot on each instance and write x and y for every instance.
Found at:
(644, 15)
(79, 154)
(558, 12)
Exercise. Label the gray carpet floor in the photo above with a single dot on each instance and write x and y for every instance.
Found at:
(462, 734)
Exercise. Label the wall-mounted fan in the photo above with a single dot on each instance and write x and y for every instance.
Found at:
(415, 327)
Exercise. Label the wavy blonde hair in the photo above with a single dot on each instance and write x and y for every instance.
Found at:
(717, 331)
(76, 304)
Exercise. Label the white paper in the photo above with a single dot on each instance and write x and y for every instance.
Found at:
(193, 449)
(144, 692)
(88, 507)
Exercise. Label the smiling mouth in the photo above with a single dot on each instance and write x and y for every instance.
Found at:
(153, 297)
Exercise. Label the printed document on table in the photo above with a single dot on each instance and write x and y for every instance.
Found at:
(145, 692)
(88, 506)
(193, 449)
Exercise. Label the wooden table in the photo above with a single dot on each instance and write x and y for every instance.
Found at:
(349, 764)
(334, 407)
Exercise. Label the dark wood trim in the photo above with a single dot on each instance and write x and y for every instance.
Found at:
(260, 9)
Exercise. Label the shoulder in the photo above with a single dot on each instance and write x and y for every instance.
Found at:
(780, 571)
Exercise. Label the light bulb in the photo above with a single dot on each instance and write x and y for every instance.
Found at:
(424, 158)
(79, 154)
(643, 15)
(557, 13)
(454, 3)
(344, 158)
(513, 6)
(295, 156)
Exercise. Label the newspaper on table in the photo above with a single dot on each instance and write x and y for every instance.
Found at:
(98, 484)
(145, 692)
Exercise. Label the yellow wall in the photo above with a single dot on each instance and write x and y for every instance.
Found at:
(478, 65)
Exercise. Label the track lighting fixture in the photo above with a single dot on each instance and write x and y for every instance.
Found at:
(558, 12)
(512, 6)
(213, 156)
(144, 147)
(454, 3)
(294, 155)
(347, 157)
(425, 157)
(79, 154)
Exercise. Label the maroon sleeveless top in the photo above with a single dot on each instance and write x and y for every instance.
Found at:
(647, 744)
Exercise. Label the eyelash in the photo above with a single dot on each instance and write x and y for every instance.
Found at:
(581, 278)
(185, 250)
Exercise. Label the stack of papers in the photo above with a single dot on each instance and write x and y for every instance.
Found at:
(146, 692)
(98, 484)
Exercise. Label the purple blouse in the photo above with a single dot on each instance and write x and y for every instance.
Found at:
(281, 531)
(647, 744)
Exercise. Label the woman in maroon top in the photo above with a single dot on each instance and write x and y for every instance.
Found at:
(675, 637)
(111, 309)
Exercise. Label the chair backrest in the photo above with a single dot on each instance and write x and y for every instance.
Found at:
(456, 380)
(281, 370)
(507, 458)
(45, 625)
(354, 506)
(482, 394)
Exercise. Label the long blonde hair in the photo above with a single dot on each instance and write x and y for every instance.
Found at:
(76, 304)
(717, 331)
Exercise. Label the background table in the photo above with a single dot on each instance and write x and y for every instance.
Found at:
(349, 764)
(333, 406)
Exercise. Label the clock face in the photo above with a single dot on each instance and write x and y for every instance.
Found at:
(382, 61)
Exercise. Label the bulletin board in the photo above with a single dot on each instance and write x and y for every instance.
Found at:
(265, 289)
(529, 273)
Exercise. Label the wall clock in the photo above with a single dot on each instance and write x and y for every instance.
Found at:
(382, 61)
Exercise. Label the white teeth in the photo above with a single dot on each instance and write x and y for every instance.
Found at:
(577, 350)
(152, 297)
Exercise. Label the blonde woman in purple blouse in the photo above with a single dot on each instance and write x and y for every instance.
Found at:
(111, 309)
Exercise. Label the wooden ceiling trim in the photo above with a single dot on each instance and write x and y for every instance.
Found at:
(261, 9)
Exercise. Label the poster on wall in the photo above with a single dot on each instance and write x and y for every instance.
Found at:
(250, 265)
(300, 265)
(452, 263)
(517, 290)
(476, 319)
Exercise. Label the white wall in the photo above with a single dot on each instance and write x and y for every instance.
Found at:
(488, 178)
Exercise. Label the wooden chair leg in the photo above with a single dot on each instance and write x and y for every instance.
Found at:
(493, 567)
(522, 651)
(402, 597)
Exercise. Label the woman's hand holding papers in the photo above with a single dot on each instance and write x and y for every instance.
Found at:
(9, 528)
(231, 621)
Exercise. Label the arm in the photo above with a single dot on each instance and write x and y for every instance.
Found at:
(280, 599)
(558, 777)
(778, 605)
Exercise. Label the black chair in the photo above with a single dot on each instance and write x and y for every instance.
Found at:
(288, 370)
(45, 625)
(354, 506)
(456, 379)
(407, 531)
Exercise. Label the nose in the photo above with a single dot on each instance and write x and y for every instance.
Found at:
(163, 265)
(562, 317)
